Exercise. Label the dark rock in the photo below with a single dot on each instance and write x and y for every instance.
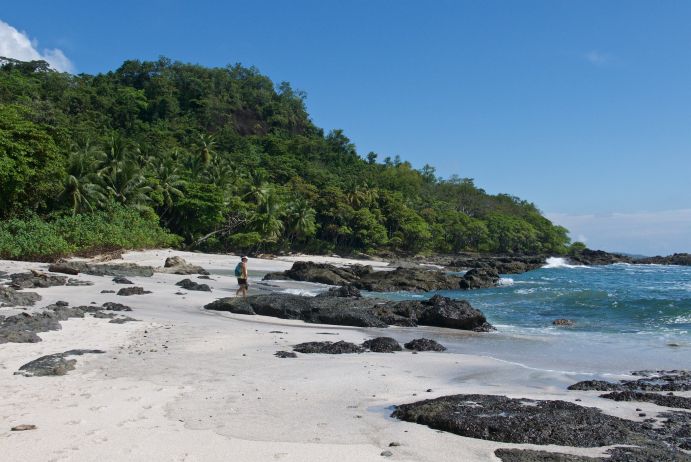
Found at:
(126, 291)
(178, 265)
(205, 277)
(530, 455)
(523, 421)
(63, 268)
(502, 264)
(112, 306)
(480, 278)
(285, 354)
(386, 454)
(11, 297)
(342, 291)
(563, 322)
(414, 279)
(382, 345)
(598, 257)
(121, 320)
(78, 282)
(35, 279)
(424, 344)
(683, 259)
(22, 328)
(55, 364)
(618, 454)
(107, 291)
(330, 348)
(107, 269)
(360, 312)
(676, 380)
(122, 280)
(191, 285)
(61, 303)
(680, 402)
(23, 427)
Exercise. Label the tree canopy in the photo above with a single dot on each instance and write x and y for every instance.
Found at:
(228, 160)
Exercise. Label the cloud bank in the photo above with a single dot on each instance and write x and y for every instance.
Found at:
(17, 45)
(648, 233)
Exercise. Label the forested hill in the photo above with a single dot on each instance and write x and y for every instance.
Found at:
(223, 159)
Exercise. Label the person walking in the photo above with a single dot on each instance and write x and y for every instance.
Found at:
(241, 274)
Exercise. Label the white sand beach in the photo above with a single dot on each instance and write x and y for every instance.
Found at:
(186, 384)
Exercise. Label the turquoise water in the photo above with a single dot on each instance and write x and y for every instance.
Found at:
(627, 317)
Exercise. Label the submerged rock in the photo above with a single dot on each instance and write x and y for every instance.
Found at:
(361, 312)
(382, 345)
(563, 322)
(330, 348)
(191, 285)
(424, 344)
(12, 297)
(55, 364)
(126, 291)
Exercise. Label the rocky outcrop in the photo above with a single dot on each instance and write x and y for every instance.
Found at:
(676, 380)
(127, 291)
(400, 279)
(598, 257)
(12, 297)
(522, 421)
(424, 344)
(102, 269)
(36, 279)
(362, 312)
(382, 345)
(331, 348)
(502, 264)
(55, 364)
(24, 327)
(618, 454)
(178, 265)
(679, 402)
(682, 259)
(191, 285)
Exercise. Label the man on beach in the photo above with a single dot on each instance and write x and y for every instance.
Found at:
(241, 273)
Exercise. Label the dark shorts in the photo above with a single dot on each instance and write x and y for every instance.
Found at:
(242, 282)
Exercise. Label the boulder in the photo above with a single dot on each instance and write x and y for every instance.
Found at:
(63, 268)
(590, 257)
(408, 280)
(502, 264)
(424, 344)
(479, 278)
(11, 297)
(178, 265)
(382, 345)
(126, 291)
(361, 312)
(122, 280)
(285, 354)
(191, 285)
(343, 291)
(330, 348)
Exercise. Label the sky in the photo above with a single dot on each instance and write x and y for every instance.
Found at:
(581, 107)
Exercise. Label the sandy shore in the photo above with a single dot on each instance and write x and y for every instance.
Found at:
(185, 384)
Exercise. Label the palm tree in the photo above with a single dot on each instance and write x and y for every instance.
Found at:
(169, 182)
(302, 219)
(268, 220)
(81, 187)
(207, 145)
(127, 185)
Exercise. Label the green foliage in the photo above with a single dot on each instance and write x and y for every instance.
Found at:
(34, 238)
(227, 160)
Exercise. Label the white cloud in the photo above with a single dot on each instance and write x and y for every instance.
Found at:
(597, 57)
(17, 45)
(648, 233)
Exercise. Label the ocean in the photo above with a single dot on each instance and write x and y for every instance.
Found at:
(626, 318)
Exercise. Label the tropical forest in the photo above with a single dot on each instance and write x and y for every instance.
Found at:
(168, 154)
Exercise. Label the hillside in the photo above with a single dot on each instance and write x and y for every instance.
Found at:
(164, 153)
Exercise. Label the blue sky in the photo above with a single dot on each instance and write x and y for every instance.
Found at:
(583, 108)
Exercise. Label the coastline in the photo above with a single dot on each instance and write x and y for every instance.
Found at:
(184, 383)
